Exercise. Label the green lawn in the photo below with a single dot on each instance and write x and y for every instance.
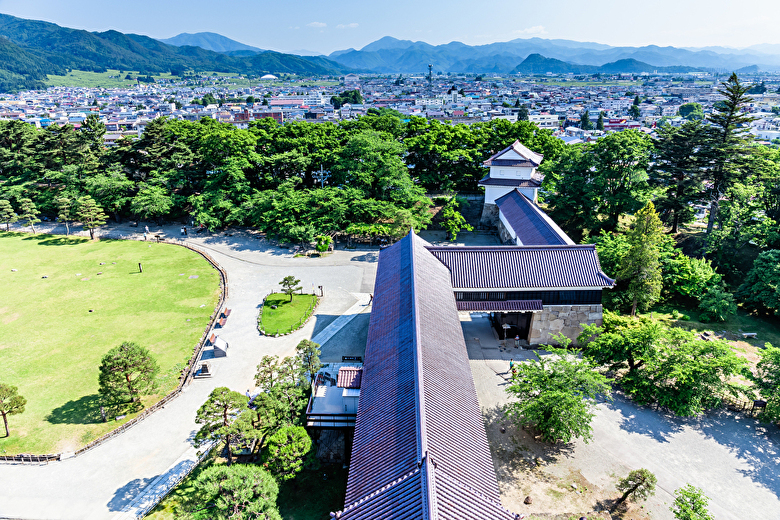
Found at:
(108, 79)
(288, 315)
(51, 344)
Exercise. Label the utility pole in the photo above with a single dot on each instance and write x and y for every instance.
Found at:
(430, 74)
(321, 176)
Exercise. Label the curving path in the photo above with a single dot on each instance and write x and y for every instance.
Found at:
(104, 482)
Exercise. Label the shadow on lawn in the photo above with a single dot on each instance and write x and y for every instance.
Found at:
(86, 410)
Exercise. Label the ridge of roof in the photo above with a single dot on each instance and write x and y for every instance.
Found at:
(548, 223)
(509, 248)
(521, 150)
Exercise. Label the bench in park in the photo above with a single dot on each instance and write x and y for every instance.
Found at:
(212, 339)
(226, 313)
(751, 335)
(222, 322)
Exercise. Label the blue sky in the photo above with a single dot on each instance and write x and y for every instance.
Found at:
(339, 24)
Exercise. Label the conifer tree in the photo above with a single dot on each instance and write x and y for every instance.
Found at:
(600, 122)
(7, 214)
(642, 265)
(28, 213)
(585, 123)
(90, 214)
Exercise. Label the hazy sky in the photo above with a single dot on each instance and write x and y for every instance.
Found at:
(339, 24)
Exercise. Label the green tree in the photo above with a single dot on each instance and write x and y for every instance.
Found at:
(585, 123)
(636, 101)
(111, 189)
(290, 285)
(127, 371)
(691, 111)
(730, 123)
(690, 503)
(717, 304)
(28, 213)
(642, 265)
(767, 379)
(308, 353)
(761, 288)
(600, 121)
(224, 417)
(7, 214)
(634, 111)
(11, 403)
(287, 451)
(240, 492)
(323, 242)
(151, 202)
(453, 220)
(64, 211)
(555, 394)
(679, 159)
(522, 114)
(89, 214)
(622, 340)
(638, 485)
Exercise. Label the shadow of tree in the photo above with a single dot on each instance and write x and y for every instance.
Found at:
(127, 493)
(643, 420)
(86, 410)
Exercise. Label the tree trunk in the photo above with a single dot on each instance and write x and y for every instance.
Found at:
(675, 222)
(129, 388)
(33, 228)
(67, 229)
(5, 420)
(92, 233)
(714, 210)
(229, 454)
(633, 307)
(625, 496)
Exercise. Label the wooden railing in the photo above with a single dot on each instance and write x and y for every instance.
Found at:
(184, 380)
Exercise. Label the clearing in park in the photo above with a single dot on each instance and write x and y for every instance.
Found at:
(51, 344)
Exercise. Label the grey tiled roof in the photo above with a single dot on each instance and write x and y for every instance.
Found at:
(529, 158)
(508, 305)
(532, 225)
(420, 449)
(349, 377)
(519, 183)
(523, 267)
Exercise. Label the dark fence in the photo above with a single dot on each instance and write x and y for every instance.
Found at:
(185, 379)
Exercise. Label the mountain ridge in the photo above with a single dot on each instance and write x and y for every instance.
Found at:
(210, 41)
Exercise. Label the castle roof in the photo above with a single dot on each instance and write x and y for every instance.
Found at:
(515, 155)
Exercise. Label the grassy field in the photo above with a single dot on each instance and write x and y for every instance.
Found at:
(288, 314)
(108, 79)
(51, 344)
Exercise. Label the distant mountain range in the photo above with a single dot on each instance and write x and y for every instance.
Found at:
(390, 55)
(30, 49)
(211, 42)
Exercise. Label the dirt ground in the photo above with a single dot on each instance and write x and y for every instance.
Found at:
(528, 467)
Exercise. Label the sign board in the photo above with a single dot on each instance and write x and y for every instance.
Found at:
(352, 358)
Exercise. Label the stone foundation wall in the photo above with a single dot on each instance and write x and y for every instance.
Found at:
(504, 235)
(489, 216)
(565, 319)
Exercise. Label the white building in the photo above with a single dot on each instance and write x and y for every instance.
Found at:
(544, 120)
(512, 168)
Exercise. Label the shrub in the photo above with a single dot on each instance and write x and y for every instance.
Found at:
(717, 304)
(761, 290)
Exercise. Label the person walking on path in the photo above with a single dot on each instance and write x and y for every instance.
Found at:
(185, 230)
(146, 228)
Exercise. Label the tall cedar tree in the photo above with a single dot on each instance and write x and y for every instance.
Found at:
(585, 123)
(11, 403)
(642, 265)
(90, 214)
(128, 370)
(679, 159)
(730, 124)
(28, 213)
(600, 121)
(224, 417)
(7, 214)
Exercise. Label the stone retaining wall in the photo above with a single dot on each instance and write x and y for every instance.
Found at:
(566, 319)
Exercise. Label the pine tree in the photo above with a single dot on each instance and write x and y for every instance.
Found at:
(223, 417)
(7, 214)
(64, 212)
(642, 265)
(28, 213)
(638, 485)
(128, 370)
(11, 403)
(730, 124)
(600, 122)
(90, 214)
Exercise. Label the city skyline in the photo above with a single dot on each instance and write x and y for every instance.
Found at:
(324, 28)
